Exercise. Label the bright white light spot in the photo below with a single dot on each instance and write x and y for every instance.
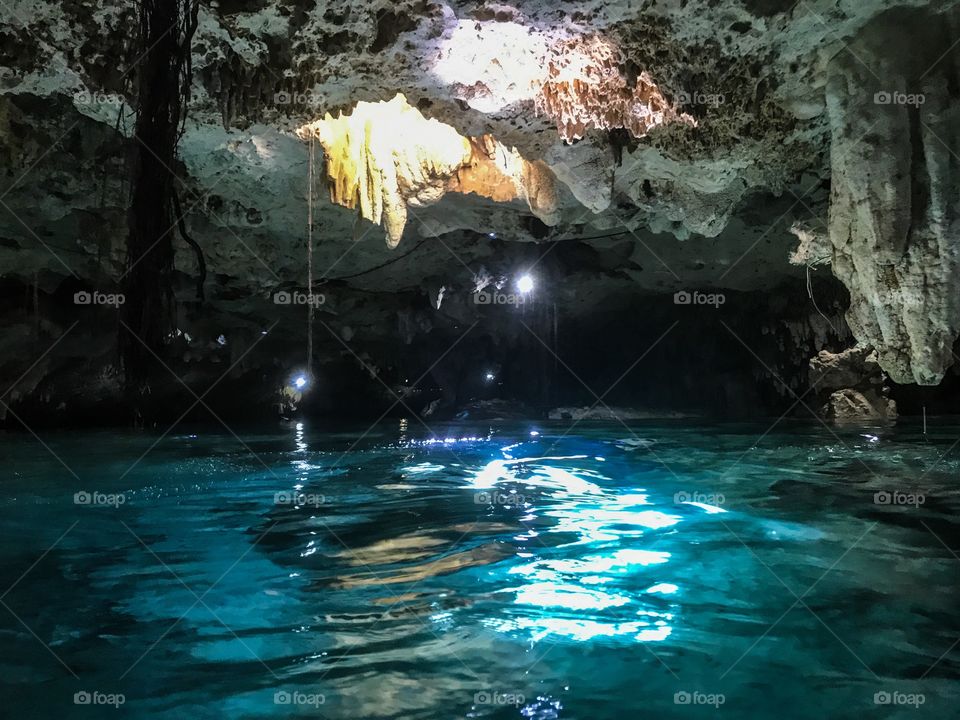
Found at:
(619, 563)
(628, 499)
(580, 630)
(550, 594)
(424, 467)
(652, 519)
(664, 588)
(534, 433)
(489, 376)
(504, 60)
(525, 283)
(300, 381)
(655, 635)
(623, 559)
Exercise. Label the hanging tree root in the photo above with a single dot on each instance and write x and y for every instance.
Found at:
(166, 31)
(197, 250)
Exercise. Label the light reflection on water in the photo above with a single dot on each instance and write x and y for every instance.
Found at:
(589, 515)
(484, 572)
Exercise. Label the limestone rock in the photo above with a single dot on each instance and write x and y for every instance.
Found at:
(832, 371)
(851, 405)
(586, 89)
(387, 158)
(894, 215)
(850, 385)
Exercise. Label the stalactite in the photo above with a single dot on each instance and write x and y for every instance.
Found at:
(586, 89)
(386, 157)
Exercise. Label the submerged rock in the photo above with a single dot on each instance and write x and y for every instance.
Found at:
(495, 409)
(850, 404)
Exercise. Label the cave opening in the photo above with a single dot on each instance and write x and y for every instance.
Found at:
(437, 359)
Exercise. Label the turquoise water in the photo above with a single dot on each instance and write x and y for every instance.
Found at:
(513, 571)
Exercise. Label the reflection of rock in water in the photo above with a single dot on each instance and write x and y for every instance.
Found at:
(634, 443)
(485, 554)
(391, 550)
(406, 548)
(403, 606)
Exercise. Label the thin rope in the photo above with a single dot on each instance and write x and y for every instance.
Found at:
(310, 303)
(814, 300)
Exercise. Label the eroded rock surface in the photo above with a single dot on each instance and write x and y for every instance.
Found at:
(850, 385)
(894, 107)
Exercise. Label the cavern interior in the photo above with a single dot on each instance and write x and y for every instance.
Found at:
(431, 359)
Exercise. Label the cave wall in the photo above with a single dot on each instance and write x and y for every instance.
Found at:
(894, 106)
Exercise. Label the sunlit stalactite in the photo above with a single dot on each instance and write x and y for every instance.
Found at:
(586, 88)
(384, 158)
